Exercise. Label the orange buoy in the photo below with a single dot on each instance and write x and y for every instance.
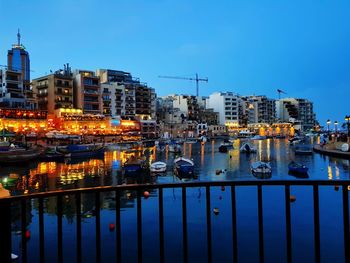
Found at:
(145, 194)
(216, 211)
(292, 198)
(336, 187)
(222, 188)
(111, 227)
(27, 234)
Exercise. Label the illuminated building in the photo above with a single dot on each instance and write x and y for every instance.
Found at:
(12, 93)
(19, 120)
(296, 111)
(227, 104)
(259, 109)
(54, 91)
(18, 61)
(87, 92)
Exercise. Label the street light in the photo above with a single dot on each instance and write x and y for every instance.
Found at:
(347, 118)
(335, 126)
(328, 123)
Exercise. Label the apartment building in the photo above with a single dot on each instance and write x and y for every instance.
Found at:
(54, 91)
(228, 105)
(296, 110)
(259, 109)
(87, 92)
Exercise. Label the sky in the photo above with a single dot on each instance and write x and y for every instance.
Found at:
(247, 47)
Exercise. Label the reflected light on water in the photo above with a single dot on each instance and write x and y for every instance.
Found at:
(330, 173)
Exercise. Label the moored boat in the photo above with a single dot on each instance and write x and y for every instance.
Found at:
(294, 167)
(158, 167)
(174, 148)
(15, 154)
(52, 154)
(82, 150)
(303, 150)
(258, 137)
(261, 168)
(133, 166)
(183, 166)
(248, 148)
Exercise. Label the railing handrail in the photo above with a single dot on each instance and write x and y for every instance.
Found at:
(262, 182)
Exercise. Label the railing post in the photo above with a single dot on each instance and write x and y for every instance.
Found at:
(41, 230)
(208, 223)
(98, 226)
(24, 229)
(346, 223)
(161, 225)
(139, 227)
(118, 226)
(288, 224)
(261, 225)
(59, 229)
(316, 223)
(78, 211)
(184, 225)
(5, 230)
(234, 224)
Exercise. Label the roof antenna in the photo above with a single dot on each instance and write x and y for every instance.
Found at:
(18, 38)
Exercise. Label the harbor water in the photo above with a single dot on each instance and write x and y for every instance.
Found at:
(210, 165)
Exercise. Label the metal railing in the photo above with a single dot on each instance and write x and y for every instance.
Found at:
(5, 218)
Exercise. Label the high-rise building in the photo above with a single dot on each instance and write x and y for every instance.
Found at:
(296, 110)
(11, 88)
(127, 97)
(259, 109)
(54, 91)
(18, 61)
(87, 92)
(228, 105)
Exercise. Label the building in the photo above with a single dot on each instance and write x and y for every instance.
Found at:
(18, 61)
(129, 98)
(87, 92)
(12, 93)
(296, 110)
(259, 109)
(54, 91)
(229, 106)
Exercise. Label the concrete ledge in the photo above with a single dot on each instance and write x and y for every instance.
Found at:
(335, 153)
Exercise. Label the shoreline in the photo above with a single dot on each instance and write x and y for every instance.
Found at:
(334, 153)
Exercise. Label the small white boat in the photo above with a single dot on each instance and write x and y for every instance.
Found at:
(261, 168)
(258, 137)
(248, 148)
(191, 140)
(158, 167)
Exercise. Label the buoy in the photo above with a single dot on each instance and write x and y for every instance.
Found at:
(222, 188)
(145, 194)
(216, 211)
(27, 234)
(220, 197)
(111, 227)
(217, 172)
(292, 198)
(336, 187)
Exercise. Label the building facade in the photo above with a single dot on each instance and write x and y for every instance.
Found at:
(87, 92)
(54, 91)
(259, 109)
(296, 110)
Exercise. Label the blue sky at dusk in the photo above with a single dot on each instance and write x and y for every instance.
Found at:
(248, 47)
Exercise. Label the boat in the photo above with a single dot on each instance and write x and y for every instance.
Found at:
(191, 140)
(52, 154)
(248, 148)
(15, 154)
(245, 134)
(225, 146)
(56, 135)
(174, 148)
(158, 167)
(258, 137)
(183, 166)
(261, 168)
(298, 168)
(303, 150)
(82, 150)
(133, 166)
(295, 140)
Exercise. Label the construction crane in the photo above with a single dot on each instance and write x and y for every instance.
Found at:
(279, 93)
(197, 79)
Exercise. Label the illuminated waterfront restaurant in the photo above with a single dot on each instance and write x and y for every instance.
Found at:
(75, 122)
(265, 129)
(19, 120)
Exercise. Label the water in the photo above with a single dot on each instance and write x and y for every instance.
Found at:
(50, 176)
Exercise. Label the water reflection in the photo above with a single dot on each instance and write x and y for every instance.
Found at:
(47, 176)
